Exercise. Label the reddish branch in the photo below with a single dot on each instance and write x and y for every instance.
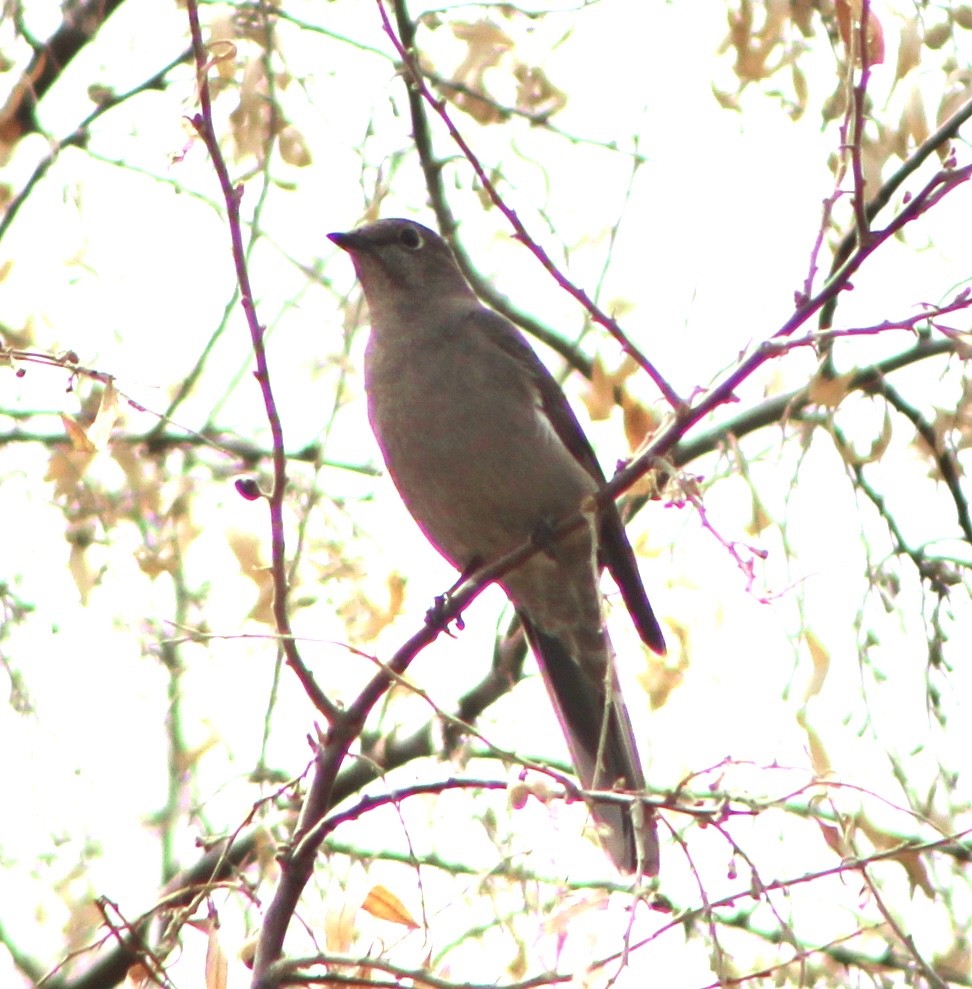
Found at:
(416, 80)
(298, 858)
(203, 123)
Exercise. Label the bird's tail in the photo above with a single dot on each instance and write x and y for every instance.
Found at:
(603, 749)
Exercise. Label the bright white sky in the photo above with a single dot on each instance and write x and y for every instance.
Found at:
(715, 239)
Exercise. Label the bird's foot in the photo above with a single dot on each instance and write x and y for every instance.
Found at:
(541, 536)
(437, 618)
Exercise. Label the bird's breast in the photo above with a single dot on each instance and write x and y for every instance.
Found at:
(468, 446)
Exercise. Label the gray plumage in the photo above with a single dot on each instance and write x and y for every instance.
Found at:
(486, 452)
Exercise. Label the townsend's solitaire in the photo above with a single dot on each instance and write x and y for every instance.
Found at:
(486, 453)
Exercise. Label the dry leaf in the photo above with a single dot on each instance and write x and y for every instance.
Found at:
(157, 560)
(250, 120)
(914, 123)
(909, 49)
(221, 46)
(340, 929)
(138, 976)
(486, 46)
(801, 92)
(909, 859)
(938, 34)
(802, 13)
(520, 964)
(247, 550)
(829, 391)
(819, 759)
(728, 101)
(962, 15)
(958, 958)
(142, 477)
(396, 594)
(760, 520)
(660, 677)
(849, 13)
(640, 421)
(89, 440)
(382, 903)
(77, 435)
(833, 838)
(536, 94)
(957, 92)
(873, 454)
(216, 966)
(84, 577)
(821, 665)
(66, 468)
(248, 950)
(293, 147)
(99, 432)
(598, 397)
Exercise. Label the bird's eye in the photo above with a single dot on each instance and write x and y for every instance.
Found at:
(410, 238)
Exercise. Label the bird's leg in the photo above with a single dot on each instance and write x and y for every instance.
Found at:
(541, 536)
(433, 617)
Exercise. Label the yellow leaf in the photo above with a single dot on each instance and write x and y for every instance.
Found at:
(382, 903)
(876, 451)
(99, 432)
(246, 549)
(909, 48)
(396, 594)
(914, 123)
(340, 929)
(801, 92)
(536, 94)
(909, 859)
(156, 560)
(829, 391)
(833, 838)
(599, 396)
(640, 421)
(726, 100)
(821, 665)
(662, 677)
(216, 966)
(65, 469)
(520, 965)
(819, 759)
(293, 147)
(77, 435)
(957, 958)
(80, 569)
(486, 46)
(849, 15)
(938, 34)
(760, 520)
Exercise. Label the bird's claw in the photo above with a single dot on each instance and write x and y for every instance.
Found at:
(437, 619)
(541, 536)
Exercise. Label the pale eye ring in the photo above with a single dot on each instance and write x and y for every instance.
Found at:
(410, 239)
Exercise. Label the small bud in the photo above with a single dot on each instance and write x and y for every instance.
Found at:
(248, 488)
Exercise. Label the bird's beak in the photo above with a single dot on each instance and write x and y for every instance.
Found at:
(350, 242)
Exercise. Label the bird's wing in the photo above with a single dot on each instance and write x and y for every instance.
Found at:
(614, 550)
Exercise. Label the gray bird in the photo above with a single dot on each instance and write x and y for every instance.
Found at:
(486, 453)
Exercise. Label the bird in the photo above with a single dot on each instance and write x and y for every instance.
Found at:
(487, 454)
